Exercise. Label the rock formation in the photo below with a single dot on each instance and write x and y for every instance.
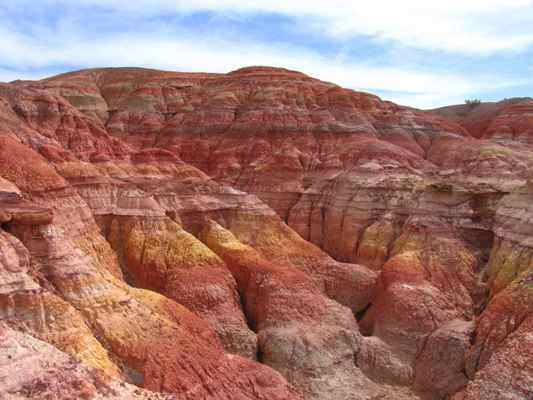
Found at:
(260, 235)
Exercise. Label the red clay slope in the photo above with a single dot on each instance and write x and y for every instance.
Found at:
(260, 235)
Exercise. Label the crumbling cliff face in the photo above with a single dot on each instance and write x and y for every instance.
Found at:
(259, 235)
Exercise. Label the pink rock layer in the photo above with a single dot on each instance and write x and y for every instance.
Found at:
(260, 235)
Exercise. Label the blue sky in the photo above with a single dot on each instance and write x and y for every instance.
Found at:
(411, 52)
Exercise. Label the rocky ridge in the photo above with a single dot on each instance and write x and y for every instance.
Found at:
(260, 235)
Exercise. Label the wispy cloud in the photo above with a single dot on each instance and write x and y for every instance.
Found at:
(216, 55)
(467, 26)
(8, 75)
(94, 33)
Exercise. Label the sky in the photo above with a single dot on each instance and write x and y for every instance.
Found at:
(419, 53)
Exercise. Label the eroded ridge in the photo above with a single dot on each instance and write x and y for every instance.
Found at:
(260, 235)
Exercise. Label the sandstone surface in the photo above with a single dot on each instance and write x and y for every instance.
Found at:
(260, 234)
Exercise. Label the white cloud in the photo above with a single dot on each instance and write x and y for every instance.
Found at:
(464, 26)
(216, 55)
(8, 75)
(74, 45)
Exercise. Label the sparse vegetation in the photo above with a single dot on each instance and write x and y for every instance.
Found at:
(516, 99)
(472, 102)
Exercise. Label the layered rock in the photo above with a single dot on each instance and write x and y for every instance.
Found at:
(145, 337)
(502, 339)
(424, 299)
(160, 255)
(312, 340)
(440, 366)
(157, 226)
(44, 372)
(508, 120)
(499, 363)
(275, 129)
